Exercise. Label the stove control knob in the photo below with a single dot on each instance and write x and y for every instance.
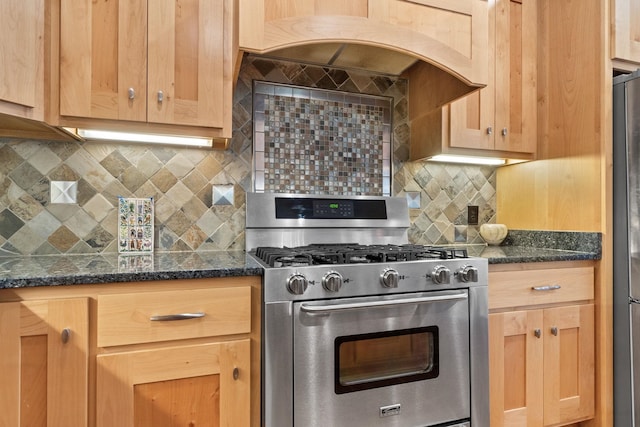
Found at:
(389, 278)
(468, 273)
(440, 275)
(297, 284)
(332, 281)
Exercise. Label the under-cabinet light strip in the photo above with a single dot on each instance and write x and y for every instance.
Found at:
(93, 134)
(487, 161)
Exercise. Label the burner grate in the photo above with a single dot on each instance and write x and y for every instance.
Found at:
(353, 253)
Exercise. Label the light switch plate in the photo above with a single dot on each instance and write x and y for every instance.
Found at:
(64, 191)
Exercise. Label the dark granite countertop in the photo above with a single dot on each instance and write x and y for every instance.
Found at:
(521, 254)
(542, 246)
(54, 270)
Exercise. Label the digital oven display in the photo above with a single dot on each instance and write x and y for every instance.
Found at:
(333, 209)
(312, 208)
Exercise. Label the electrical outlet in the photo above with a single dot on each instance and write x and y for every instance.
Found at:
(472, 215)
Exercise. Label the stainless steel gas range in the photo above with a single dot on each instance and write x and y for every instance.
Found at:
(361, 328)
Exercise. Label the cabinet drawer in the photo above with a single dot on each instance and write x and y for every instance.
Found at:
(128, 318)
(558, 285)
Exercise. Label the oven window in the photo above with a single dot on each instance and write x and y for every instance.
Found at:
(385, 358)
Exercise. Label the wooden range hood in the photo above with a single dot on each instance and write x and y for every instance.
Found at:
(439, 45)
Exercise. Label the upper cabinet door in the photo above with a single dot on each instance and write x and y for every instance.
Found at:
(503, 115)
(625, 40)
(516, 75)
(103, 59)
(165, 61)
(187, 71)
(22, 35)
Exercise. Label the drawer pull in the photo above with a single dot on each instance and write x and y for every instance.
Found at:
(554, 330)
(236, 374)
(546, 288)
(180, 316)
(537, 333)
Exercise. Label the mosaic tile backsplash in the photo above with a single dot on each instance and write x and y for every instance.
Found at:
(184, 182)
(320, 141)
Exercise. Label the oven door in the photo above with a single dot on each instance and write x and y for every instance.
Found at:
(382, 361)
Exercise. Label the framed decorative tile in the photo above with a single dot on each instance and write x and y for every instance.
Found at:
(135, 225)
(320, 141)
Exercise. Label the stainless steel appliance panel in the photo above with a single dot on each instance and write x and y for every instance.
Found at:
(626, 236)
(277, 364)
(417, 403)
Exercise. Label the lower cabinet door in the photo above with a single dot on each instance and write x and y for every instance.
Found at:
(569, 364)
(204, 385)
(516, 368)
(542, 366)
(44, 363)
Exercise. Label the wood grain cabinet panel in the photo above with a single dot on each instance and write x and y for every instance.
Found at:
(499, 120)
(158, 62)
(127, 318)
(451, 34)
(625, 37)
(23, 63)
(542, 367)
(206, 385)
(44, 359)
(177, 357)
(22, 57)
(533, 287)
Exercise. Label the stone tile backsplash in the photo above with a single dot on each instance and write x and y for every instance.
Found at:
(183, 181)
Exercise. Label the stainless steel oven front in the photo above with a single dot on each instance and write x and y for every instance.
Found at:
(381, 358)
(392, 361)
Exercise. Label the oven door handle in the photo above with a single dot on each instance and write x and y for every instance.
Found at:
(386, 303)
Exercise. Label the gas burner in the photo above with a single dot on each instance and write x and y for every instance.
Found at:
(353, 253)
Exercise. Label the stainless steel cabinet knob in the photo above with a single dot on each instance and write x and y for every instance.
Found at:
(441, 275)
(160, 96)
(468, 274)
(132, 93)
(504, 131)
(297, 284)
(489, 130)
(389, 278)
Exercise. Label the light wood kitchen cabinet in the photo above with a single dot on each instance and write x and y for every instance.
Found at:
(174, 382)
(44, 359)
(499, 120)
(148, 64)
(625, 37)
(24, 66)
(541, 344)
(22, 60)
(120, 368)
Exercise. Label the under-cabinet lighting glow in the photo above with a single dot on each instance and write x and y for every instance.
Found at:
(487, 161)
(93, 134)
